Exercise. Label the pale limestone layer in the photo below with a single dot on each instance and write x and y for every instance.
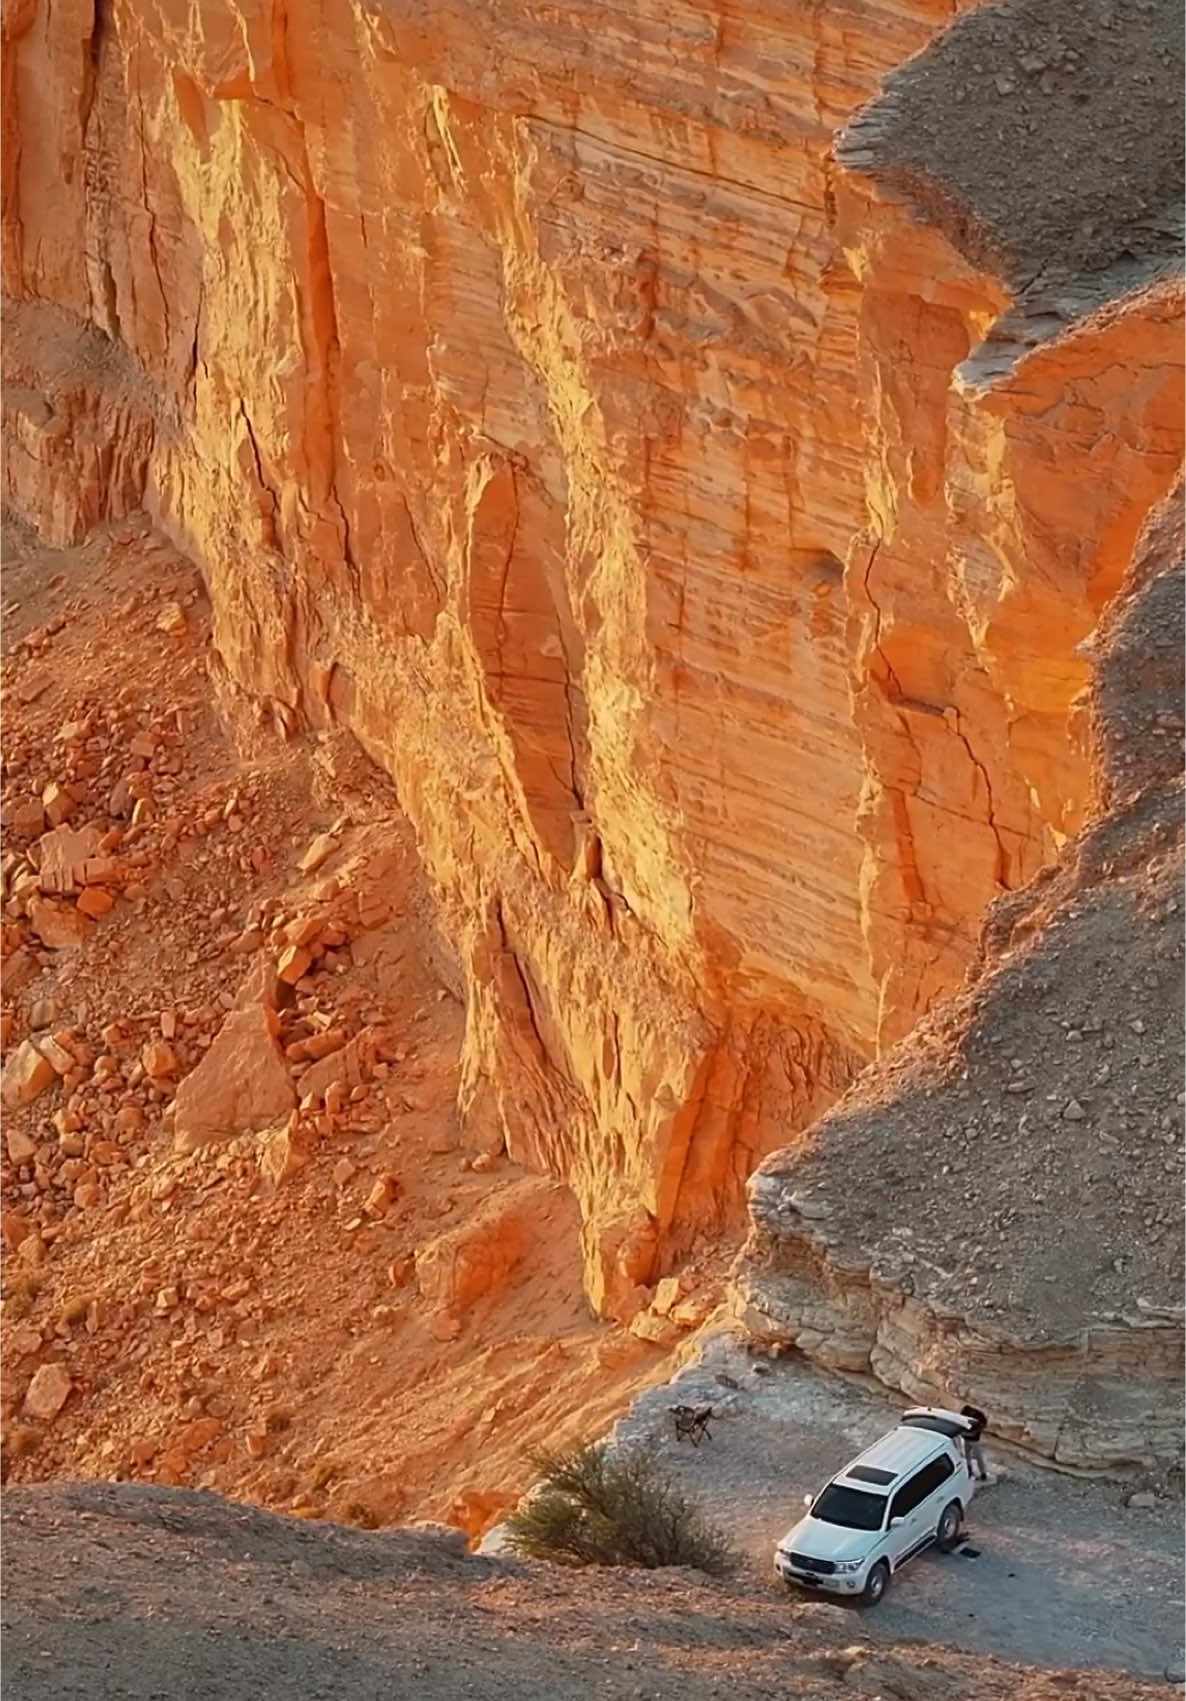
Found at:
(1103, 1398)
(545, 406)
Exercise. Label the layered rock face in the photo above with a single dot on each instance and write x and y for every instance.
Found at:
(701, 528)
(996, 1211)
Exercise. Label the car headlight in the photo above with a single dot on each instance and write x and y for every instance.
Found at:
(850, 1565)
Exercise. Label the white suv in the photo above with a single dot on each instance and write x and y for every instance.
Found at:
(910, 1489)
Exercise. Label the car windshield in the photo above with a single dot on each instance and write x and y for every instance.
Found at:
(852, 1508)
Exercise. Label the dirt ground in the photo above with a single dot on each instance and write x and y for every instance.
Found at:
(1065, 1573)
(248, 1317)
(134, 1593)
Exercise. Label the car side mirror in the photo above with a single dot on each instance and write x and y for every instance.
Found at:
(807, 1500)
(895, 1523)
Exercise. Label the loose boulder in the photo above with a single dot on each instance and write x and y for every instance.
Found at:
(48, 1392)
(27, 1074)
(241, 1086)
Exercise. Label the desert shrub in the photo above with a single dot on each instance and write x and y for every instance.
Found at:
(74, 1310)
(594, 1507)
(358, 1513)
(322, 1472)
(19, 1294)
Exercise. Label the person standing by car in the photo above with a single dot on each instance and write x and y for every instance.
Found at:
(973, 1450)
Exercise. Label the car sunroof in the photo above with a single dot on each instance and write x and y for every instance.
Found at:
(869, 1473)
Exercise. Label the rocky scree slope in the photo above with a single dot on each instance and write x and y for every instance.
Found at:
(243, 1248)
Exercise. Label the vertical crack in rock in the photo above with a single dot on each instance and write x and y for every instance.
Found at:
(270, 513)
(92, 62)
(508, 555)
(99, 67)
(150, 246)
(424, 554)
(909, 867)
(1002, 871)
(191, 367)
(326, 349)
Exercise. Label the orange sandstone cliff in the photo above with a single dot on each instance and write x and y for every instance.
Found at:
(689, 446)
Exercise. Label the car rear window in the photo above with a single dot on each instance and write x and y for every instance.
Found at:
(851, 1508)
(941, 1426)
(869, 1473)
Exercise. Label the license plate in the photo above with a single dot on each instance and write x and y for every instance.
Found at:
(801, 1577)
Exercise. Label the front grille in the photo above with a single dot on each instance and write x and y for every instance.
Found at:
(805, 1562)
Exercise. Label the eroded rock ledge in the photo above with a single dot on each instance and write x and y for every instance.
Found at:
(1102, 1398)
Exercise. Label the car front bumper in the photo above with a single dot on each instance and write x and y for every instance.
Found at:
(845, 1583)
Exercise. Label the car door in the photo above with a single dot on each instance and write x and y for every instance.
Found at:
(903, 1516)
(940, 1487)
(916, 1505)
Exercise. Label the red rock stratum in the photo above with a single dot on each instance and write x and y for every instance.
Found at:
(690, 448)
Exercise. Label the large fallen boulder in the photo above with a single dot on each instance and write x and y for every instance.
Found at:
(27, 1074)
(241, 1086)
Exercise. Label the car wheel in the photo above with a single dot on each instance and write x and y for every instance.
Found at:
(948, 1534)
(876, 1584)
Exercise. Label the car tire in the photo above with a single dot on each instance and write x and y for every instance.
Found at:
(951, 1521)
(876, 1583)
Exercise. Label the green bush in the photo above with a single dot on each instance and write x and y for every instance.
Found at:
(597, 1508)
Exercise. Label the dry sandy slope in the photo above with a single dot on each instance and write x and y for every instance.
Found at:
(131, 1593)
